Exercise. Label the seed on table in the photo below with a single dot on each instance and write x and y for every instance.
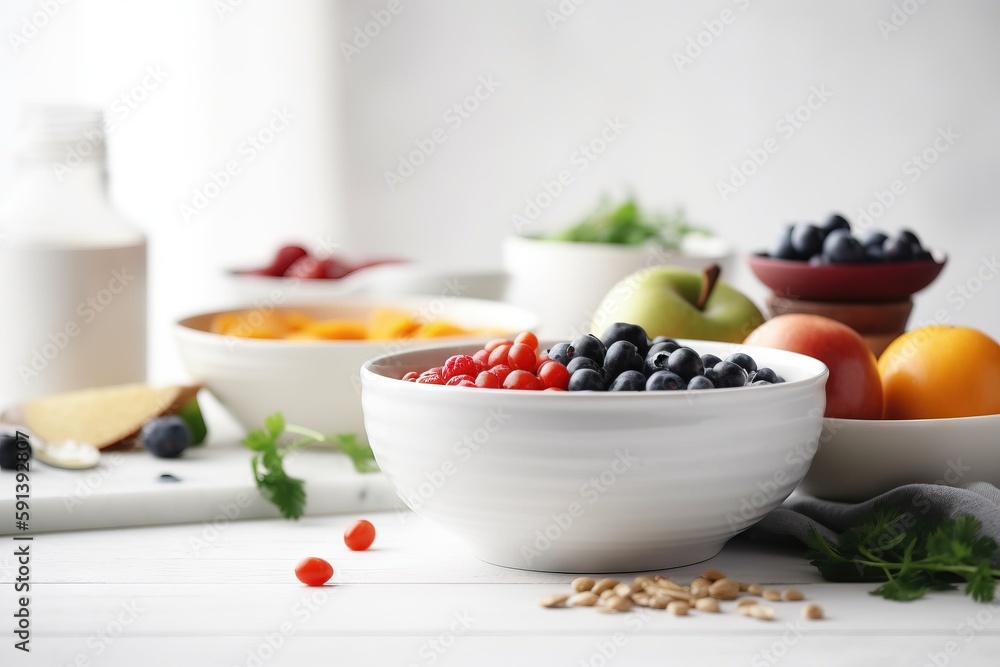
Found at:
(794, 595)
(616, 603)
(642, 599)
(678, 608)
(581, 584)
(755, 589)
(554, 600)
(584, 599)
(604, 585)
(746, 602)
(744, 586)
(623, 590)
(607, 594)
(641, 581)
(724, 589)
(760, 612)
(713, 575)
(812, 611)
(660, 601)
(710, 605)
(771, 595)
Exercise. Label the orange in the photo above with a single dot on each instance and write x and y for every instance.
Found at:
(940, 371)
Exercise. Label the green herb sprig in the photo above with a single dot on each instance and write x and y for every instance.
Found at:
(626, 224)
(911, 556)
(288, 493)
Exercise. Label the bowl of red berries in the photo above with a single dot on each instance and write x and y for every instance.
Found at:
(597, 454)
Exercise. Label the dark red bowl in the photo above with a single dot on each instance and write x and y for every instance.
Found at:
(870, 281)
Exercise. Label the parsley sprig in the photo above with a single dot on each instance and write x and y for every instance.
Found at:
(911, 556)
(288, 493)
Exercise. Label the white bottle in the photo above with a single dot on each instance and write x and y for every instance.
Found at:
(72, 270)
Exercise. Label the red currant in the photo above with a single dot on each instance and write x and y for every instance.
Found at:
(519, 379)
(494, 344)
(313, 571)
(527, 338)
(501, 371)
(499, 354)
(552, 374)
(488, 380)
(359, 535)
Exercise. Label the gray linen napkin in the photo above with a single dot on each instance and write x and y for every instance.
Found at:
(926, 501)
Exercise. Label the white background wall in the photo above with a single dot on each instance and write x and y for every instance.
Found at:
(322, 179)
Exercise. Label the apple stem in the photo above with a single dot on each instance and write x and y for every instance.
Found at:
(709, 276)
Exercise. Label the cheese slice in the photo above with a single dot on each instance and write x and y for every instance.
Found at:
(103, 416)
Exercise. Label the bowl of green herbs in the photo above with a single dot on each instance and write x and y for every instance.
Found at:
(564, 275)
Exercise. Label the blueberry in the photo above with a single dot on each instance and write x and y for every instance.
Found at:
(834, 222)
(874, 253)
(842, 248)
(165, 437)
(629, 381)
(709, 375)
(667, 346)
(898, 249)
(622, 356)
(13, 451)
(765, 374)
(701, 381)
(577, 363)
(561, 352)
(785, 249)
(709, 360)
(590, 346)
(913, 239)
(807, 240)
(875, 238)
(656, 360)
(729, 374)
(664, 381)
(744, 361)
(632, 333)
(760, 383)
(586, 379)
(686, 363)
(664, 339)
(923, 256)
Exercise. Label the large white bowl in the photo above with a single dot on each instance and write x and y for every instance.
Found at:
(567, 281)
(587, 481)
(317, 383)
(859, 459)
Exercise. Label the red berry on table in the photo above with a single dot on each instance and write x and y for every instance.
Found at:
(308, 268)
(284, 258)
(552, 374)
(411, 376)
(482, 359)
(359, 535)
(488, 380)
(429, 378)
(461, 380)
(499, 354)
(315, 571)
(497, 342)
(522, 380)
(522, 357)
(527, 338)
(460, 364)
(501, 371)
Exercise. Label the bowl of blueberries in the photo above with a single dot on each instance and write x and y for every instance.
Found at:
(830, 262)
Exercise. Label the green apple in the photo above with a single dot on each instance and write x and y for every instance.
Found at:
(676, 302)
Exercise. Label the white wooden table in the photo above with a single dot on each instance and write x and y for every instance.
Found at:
(198, 594)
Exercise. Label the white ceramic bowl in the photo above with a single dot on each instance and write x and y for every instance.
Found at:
(567, 281)
(859, 459)
(587, 481)
(316, 383)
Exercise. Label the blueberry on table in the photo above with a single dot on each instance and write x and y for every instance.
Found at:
(701, 382)
(561, 352)
(875, 238)
(911, 237)
(686, 363)
(622, 356)
(765, 374)
(709, 360)
(629, 381)
(898, 249)
(667, 346)
(656, 360)
(665, 381)
(729, 375)
(785, 249)
(590, 346)
(874, 253)
(807, 239)
(760, 383)
(632, 333)
(578, 363)
(165, 437)
(586, 379)
(743, 360)
(834, 222)
(842, 248)
(709, 375)
(664, 339)
(13, 451)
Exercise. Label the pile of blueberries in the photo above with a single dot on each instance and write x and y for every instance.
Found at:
(625, 359)
(832, 243)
